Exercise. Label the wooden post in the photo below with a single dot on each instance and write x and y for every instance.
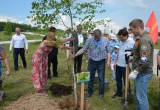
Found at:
(82, 96)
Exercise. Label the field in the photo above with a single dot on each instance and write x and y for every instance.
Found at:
(19, 84)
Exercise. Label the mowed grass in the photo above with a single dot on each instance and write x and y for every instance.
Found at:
(19, 83)
(4, 37)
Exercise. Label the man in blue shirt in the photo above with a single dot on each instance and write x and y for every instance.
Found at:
(99, 51)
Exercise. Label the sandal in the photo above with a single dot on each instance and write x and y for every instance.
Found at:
(45, 94)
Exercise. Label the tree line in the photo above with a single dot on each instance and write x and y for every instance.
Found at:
(9, 26)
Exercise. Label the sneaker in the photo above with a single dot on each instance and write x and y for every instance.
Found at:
(101, 97)
(49, 77)
(89, 96)
(116, 95)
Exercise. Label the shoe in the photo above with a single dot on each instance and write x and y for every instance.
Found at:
(49, 77)
(101, 97)
(89, 96)
(116, 95)
(55, 75)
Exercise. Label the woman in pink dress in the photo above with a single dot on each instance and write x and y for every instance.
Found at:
(40, 61)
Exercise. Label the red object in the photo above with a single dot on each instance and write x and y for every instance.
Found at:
(153, 25)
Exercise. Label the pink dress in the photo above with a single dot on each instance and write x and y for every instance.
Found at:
(40, 67)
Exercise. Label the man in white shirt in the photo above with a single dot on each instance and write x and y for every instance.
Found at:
(120, 63)
(18, 41)
(78, 43)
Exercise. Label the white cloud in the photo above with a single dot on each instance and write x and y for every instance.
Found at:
(11, 19)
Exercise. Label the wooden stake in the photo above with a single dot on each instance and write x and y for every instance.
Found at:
(82, 96)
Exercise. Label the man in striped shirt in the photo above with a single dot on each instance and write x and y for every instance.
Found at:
(99, 51)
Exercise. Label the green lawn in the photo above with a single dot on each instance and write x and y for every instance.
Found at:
(19, 83)
(4, 37)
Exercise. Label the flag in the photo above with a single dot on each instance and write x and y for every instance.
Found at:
(153, 26)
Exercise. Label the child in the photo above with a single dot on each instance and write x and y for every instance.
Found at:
(40, 61)
(113, 59)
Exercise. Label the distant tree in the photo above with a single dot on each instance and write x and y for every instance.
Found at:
(48, 12)
(8, 28)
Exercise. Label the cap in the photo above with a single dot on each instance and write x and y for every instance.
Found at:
(116, 47)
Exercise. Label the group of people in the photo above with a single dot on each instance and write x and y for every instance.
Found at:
(100, 51)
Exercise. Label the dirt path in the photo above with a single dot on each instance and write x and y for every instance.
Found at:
(33, 102)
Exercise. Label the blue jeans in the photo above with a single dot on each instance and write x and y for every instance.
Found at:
(120, 72)
(0, 69)
(140, 90)
(98, 66)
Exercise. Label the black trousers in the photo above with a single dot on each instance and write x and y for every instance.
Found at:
(16, 52)
(78, 63)
(52, 59)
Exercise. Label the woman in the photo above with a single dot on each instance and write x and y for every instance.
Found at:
(40, 61)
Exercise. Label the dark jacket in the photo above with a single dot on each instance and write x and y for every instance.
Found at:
(54, 49)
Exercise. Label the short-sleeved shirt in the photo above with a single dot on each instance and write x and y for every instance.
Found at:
(113, 57)
(113, 43)
(127, 45)
(97, 52)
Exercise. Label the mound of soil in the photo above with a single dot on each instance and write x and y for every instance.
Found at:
(60, 90)
(35, 101)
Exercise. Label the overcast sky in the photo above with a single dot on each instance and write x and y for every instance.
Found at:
(121, 12)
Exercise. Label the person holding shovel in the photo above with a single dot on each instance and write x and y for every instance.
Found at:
(142, 64)
(120, 63)
(40, 61)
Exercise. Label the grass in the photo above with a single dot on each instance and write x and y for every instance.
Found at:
(4, 37)
(19, 83)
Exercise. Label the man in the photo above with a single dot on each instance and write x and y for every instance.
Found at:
(18, 40)
(78, 43)
(99, 51)
(120, 63)
(52, 58)
(142, 63)
(111, 34)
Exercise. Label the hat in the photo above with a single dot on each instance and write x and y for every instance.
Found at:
(116, 47)
(114, 37)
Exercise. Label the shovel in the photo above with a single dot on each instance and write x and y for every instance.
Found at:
(127, 95)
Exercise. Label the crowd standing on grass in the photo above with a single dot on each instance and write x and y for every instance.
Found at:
(100, 50)
(18, 41)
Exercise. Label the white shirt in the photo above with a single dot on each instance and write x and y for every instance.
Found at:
(80, 40)
(18, 41)
(68, 36)
(127, 45)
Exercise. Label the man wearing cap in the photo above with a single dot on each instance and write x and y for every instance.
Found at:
(142, 63)
(99, 51)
